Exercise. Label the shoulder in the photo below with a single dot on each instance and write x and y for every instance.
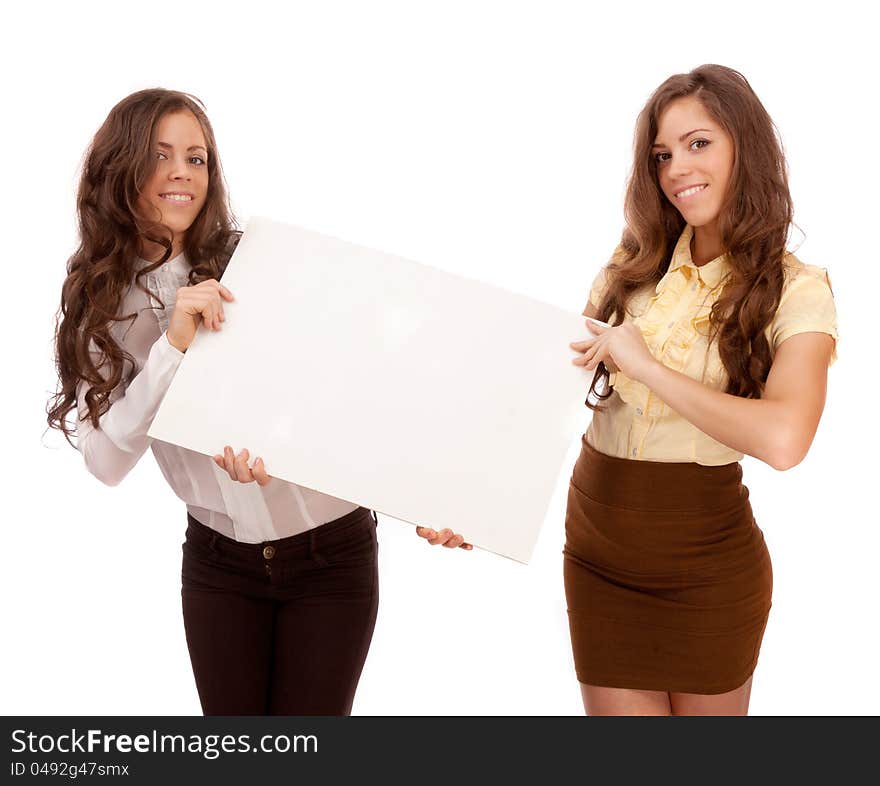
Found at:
(806, 303)
(603, 276)
(800, 276)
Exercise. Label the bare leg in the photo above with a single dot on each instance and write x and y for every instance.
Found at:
(735, 702)
(624, 701)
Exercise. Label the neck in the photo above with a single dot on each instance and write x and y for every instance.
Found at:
(705, 244)
(153, 252)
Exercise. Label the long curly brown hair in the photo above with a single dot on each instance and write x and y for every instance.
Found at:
(117, 164)
(753, 223)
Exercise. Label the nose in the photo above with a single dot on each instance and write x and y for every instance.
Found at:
(679, 167)
(178, 170)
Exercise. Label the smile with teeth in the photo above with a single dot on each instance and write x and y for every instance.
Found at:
(691, 191)
(176, 197)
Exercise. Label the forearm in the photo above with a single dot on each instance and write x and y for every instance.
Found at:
(104, 459)
(115, 447)
(756, 427)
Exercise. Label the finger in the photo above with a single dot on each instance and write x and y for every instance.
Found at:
(209, 305)
(589, 355)
(218, 460)
(595, 327)
(467, 546)
(584, 359)
(454, 542)
(222, 289)
(262, 477)
(594, 357)
(199, 303)
(218, 311)
(210, 312)
(580, 346)
(425, 532)
(441, 537)
(229, 462)
(207, 315)
(242, 470)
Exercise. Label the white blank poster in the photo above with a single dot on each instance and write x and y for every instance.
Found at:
(423, 395)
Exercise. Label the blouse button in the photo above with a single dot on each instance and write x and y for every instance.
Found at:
(634, 451)
(269, 552)
(638, 411)
(671, 325)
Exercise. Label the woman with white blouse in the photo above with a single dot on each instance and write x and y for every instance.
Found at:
(279, 582)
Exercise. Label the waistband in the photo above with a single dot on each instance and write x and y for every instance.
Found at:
(656, 485)
(302, 544)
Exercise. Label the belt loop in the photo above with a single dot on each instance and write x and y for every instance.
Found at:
(313, 549)
(213, 544)
(375, 518)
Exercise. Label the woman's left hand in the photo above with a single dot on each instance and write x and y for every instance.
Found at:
(623, 345)
(238, 469)
(446, 537)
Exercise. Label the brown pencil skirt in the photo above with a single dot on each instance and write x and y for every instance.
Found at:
(667, 576)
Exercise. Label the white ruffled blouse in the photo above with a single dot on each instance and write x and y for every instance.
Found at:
(247, 512)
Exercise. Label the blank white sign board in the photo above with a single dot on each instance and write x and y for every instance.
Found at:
(422, 395)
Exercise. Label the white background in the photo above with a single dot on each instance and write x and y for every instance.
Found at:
(488, 138)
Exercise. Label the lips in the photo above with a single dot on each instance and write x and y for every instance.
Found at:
(177, 197)
(688, 191)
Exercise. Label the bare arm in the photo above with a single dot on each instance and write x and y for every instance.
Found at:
(777, 428)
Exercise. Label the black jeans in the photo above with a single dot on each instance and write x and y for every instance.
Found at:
(283, 627)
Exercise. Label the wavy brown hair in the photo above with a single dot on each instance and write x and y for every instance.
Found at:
(753, 223)
(116, 166)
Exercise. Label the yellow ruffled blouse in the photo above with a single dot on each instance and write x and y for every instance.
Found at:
(674, 319)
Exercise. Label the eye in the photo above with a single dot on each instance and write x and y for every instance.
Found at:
(701, 142)
(658, 157)
(198, 159)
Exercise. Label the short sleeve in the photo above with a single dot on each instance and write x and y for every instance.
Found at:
(597, 290)
(807, 306)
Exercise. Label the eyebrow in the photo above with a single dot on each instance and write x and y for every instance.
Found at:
(684, 136)
(191, 147)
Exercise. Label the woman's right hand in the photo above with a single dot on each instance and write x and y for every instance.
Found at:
(446, 537)
(201, 303)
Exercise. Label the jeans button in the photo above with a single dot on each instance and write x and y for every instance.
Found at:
(269, 552)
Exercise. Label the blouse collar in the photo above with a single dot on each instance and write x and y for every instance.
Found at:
(178, 265)
(711, 274)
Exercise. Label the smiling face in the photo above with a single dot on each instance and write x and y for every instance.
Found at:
(694, 157)
(175, 190)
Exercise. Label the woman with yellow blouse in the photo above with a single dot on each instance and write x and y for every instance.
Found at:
(718, 346)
